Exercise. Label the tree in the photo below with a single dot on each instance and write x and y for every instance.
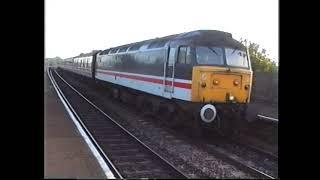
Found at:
(53, 61)
(259, 60)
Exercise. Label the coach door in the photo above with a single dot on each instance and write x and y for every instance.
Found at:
(168, 80)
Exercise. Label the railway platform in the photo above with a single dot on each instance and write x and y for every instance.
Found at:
(66, 155)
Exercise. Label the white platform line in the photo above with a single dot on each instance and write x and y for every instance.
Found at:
(93, 149)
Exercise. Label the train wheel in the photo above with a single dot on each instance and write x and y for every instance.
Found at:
(241, 123)
(140, 103)
(196, 125)
(222, 125)
(124, 97)
(115, 93)
(147, 106)
(156, 107)
(164, 116)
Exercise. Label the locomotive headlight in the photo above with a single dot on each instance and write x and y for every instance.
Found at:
(215, 82)
(231, 98)
(236, 82)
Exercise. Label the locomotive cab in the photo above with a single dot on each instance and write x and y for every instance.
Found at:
(222, 75)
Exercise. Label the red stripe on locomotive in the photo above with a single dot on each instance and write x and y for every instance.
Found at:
(152, 80)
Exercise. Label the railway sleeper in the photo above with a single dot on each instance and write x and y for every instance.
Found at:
(126, 163)
(114, 140)
(134, 158)
(138, 167)
(125, 150)
(139, 173)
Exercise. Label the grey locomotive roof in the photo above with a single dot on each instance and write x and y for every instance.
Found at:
(207, 38)
(87, 54)
(199, 37)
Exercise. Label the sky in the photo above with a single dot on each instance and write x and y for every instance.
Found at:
(80, 26)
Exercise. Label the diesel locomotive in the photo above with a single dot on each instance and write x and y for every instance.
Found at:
(202, 78)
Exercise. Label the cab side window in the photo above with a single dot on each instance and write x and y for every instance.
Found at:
(171, 56)
(184, 55)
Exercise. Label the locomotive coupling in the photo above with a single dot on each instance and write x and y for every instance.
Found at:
(208, 113)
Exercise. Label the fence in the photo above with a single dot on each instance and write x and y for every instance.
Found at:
(265, 87)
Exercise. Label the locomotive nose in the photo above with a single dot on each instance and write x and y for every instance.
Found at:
(208, 113)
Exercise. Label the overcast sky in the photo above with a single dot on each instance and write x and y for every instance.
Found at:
(76, 26)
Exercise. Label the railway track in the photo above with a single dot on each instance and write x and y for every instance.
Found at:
(126, 156)
(266, 153)
(263, 134)
(239, 162)
(244, 167)
(246, 157)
